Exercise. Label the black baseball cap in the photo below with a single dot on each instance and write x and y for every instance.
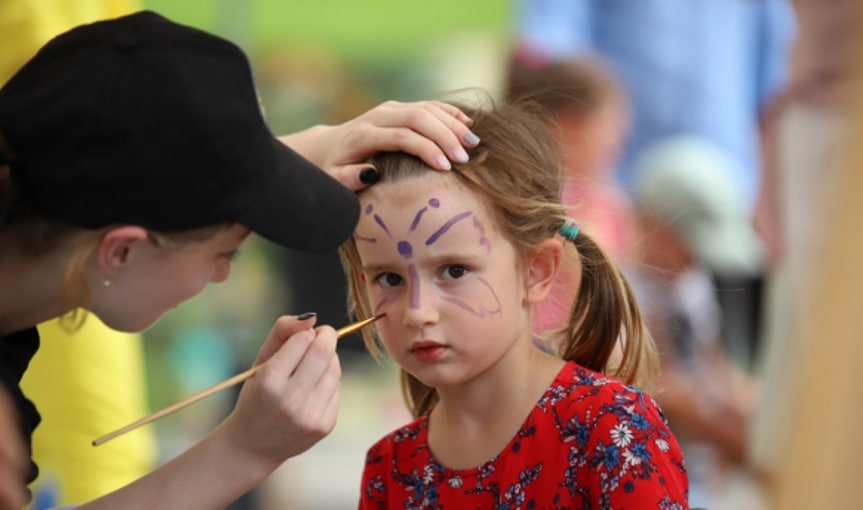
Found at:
(140, 120)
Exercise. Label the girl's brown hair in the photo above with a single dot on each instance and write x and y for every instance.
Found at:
(517, 170)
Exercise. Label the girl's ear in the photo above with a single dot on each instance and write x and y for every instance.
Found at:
(543, 265)
(116, 248)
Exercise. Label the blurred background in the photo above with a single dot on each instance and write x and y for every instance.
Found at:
(675, 117)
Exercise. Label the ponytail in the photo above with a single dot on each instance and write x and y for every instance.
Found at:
(606, 332)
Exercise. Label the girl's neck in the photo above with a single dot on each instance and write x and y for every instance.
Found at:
(473, 422)
(516, 377)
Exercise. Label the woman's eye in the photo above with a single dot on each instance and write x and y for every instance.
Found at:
(389, 280)
(454, 272)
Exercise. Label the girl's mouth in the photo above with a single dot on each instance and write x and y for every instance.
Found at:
(426, 351)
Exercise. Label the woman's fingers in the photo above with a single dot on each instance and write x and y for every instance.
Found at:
(292, 401)
(434, 131)
(284, 327)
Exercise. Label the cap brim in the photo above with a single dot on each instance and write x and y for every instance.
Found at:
(301, 206)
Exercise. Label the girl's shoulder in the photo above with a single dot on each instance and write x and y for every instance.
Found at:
(578, 379)
(411, 435)
(614, 436)
(590, 397)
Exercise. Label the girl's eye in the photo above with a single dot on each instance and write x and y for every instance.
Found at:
(454, 272)
(388, 280)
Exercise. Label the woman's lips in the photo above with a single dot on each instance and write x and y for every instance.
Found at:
(427, 351)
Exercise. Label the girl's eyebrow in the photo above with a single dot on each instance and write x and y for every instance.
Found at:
(458, 255)
(376, 268)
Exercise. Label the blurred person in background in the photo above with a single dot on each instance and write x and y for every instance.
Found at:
(689, 66)
(698, 67)
(694, 228)
(805, 136)
(591, 116)
(819, 456)
(94, 376)
(130, 250)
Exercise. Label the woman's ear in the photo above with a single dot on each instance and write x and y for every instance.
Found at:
(543, 265)
(116, 248)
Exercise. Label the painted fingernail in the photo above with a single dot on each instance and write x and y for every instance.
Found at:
(369, 176)
(306, 316)
(461, 155)
(443, 163)
(470, 138)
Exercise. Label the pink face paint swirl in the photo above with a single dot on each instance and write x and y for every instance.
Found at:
(481, 310)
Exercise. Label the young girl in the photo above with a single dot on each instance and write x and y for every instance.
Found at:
(457, 261)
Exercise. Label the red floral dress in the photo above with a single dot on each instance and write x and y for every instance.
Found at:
(591, 442)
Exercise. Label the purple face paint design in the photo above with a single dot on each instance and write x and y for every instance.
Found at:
(483, 240)
(414, 279)
(481, 310)
(381, 304)
(405, 249)
(446, 226)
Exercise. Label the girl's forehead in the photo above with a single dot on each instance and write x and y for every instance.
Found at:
(443, 188)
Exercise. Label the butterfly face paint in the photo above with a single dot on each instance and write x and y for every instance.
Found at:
(434, 261)
(404, 247)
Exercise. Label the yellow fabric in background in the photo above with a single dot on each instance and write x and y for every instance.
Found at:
(85, 385)
(91, 382)
(28, 24)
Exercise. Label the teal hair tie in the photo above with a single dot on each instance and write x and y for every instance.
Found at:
(569, 229)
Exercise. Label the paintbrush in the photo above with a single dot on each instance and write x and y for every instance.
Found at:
(227, 383)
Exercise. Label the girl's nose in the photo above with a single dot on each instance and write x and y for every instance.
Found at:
(421, 304)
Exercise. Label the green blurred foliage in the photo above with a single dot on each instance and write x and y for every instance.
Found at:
(356, 29)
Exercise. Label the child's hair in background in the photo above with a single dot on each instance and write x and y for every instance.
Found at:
(580, 83)
(516, 170)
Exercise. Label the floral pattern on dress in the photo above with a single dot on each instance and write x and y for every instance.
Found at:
(591, 442)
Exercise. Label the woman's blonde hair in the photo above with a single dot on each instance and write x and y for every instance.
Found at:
(516, 171)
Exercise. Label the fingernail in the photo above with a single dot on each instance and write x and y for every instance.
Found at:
(306, 316)
(443, 163)
(470, 138)
(461, 155)
(369, 176)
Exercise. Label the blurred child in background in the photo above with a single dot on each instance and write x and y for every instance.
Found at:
(590, 112)
(694, 230)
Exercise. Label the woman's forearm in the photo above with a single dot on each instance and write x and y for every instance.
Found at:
(210, 475)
